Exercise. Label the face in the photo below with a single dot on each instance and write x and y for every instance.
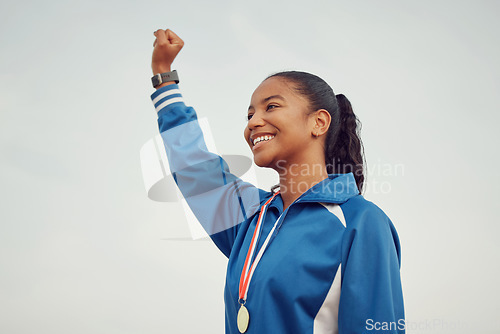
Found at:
(279, 129)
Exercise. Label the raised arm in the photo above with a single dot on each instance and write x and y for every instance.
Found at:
(219, 199)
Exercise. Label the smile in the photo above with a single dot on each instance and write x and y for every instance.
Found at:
(262, 139)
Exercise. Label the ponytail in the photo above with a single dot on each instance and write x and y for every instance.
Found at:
(344, 152)
(344, 148)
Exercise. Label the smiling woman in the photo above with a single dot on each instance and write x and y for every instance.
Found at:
(314, 256)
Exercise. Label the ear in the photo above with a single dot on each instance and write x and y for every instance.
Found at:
(321, 122)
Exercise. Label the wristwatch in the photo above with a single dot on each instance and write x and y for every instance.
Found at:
(158, 79)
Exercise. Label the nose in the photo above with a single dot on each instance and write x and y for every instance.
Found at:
(255, 121)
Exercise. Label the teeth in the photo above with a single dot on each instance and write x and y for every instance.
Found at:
(262, 138)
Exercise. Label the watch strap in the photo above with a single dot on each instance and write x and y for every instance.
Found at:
(160, 78)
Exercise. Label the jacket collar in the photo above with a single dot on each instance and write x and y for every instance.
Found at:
(337, 188)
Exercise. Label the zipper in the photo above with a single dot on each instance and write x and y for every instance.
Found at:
(282, 218)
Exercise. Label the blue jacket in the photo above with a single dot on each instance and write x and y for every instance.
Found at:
(333, 263)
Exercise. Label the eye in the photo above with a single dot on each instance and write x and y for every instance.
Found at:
(249, 116)
(271, 106)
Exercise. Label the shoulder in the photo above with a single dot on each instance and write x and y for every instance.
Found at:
(364, 216)
(368, 228)
(369, 233)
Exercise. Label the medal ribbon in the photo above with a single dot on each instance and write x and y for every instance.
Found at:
(248, 269)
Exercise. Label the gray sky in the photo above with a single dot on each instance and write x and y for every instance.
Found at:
(84, 250)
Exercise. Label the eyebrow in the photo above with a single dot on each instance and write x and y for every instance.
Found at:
(267, 99)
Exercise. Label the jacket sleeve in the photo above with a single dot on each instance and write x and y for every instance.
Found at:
(219, 199)
(371, 298)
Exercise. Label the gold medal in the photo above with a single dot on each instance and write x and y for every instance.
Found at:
(243, 319)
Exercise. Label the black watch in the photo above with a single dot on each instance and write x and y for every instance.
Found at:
(158, 79)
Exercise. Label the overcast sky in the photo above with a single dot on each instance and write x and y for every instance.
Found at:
(84, 250)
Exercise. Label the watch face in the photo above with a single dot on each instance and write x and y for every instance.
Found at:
(156, 80)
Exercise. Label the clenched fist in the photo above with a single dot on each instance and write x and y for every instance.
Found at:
(166, 47)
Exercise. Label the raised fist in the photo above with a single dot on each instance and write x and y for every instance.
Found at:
(166, 47)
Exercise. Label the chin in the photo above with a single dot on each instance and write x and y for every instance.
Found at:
(259, 162)
(262, 161)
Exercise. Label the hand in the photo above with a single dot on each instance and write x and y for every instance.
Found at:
(166, 47)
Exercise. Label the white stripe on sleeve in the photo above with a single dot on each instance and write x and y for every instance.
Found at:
(165, 94)
(168, 102)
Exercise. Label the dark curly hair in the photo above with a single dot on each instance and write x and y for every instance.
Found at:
(344, 151)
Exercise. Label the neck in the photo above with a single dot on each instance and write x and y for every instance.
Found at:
(297, 179)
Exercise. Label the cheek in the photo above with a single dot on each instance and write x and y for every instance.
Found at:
(246, 133)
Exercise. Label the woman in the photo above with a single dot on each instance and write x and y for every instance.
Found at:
(311, 257)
